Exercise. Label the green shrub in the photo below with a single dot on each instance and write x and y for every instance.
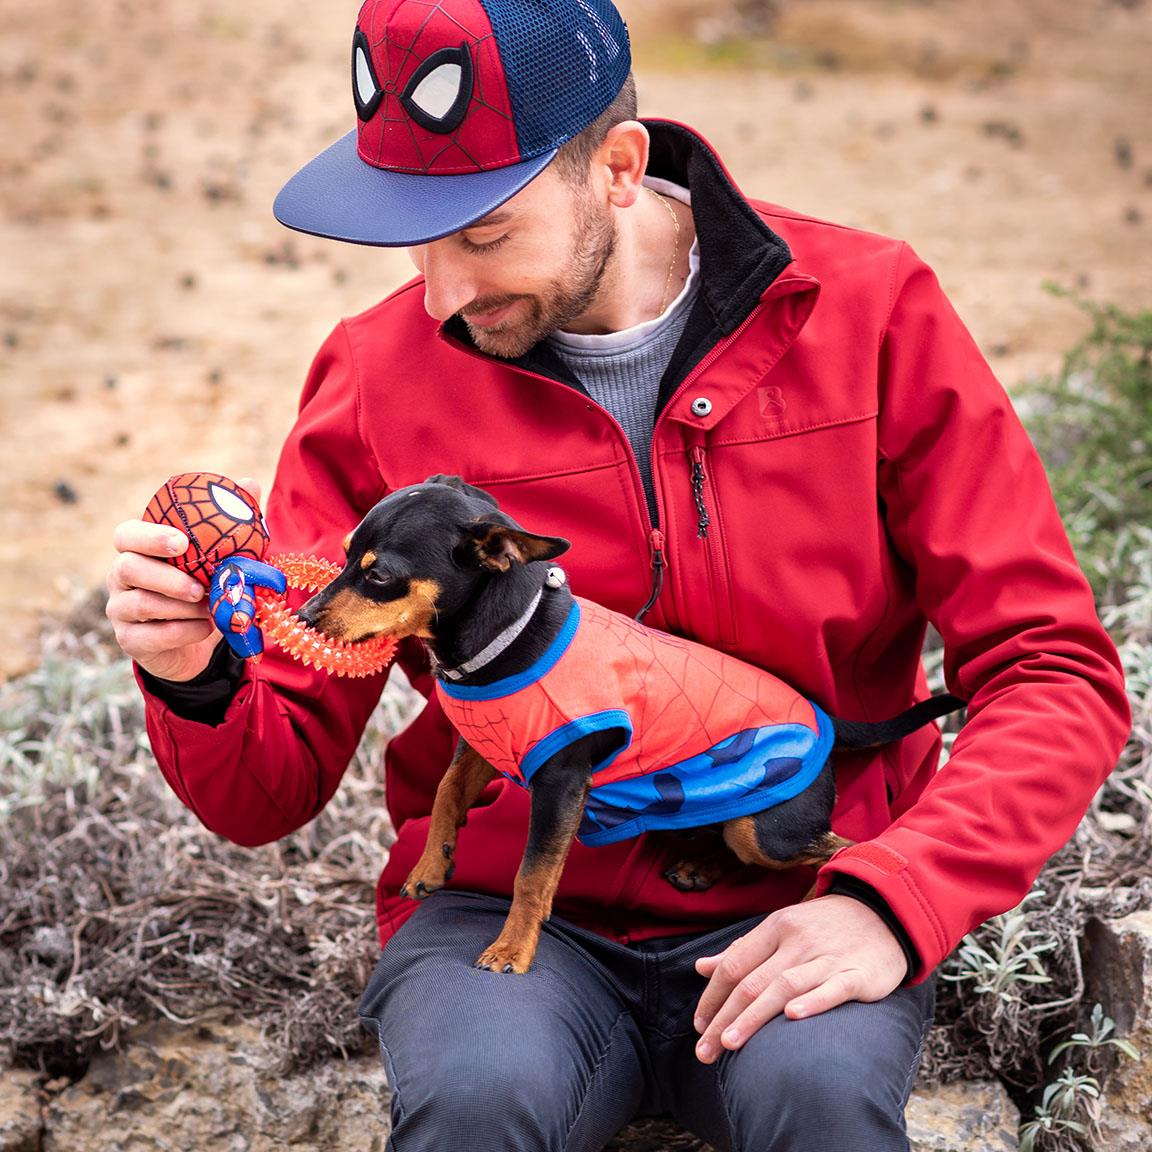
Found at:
(1092, 423)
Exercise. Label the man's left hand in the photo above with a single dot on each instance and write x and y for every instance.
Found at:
(801, 961)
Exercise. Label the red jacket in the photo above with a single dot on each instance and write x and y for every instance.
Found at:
(858, 473)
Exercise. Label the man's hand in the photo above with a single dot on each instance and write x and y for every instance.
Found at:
(802, 961)
(160, 614)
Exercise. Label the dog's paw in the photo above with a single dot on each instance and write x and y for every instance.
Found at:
(693, 875)
(505, 958)
(417, 889)
(430, 874)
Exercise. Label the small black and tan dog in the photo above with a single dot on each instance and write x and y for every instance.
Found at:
(441, 562)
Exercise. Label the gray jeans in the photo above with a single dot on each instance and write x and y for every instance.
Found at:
(599, 1033)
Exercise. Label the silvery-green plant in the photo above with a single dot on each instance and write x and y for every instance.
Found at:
(1011, 959)
(77, 714)
(1097, 1038)
(1055, 1125)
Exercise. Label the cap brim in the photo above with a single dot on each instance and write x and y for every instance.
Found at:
(342, 197)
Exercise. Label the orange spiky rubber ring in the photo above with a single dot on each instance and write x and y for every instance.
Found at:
(302, 642)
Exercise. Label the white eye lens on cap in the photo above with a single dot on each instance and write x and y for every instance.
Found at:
(437, 92)
(365, 85)
(440, 90)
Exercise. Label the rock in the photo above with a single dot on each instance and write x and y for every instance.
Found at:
(20, 1120)
(960, 1117)
(965, 1116)
(1117, 958)
(211, 1089)
(65, 493)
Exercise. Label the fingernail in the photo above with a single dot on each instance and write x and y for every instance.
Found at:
(196, 591)
(699, 1023)
(705, 1050)
(799, 1011)
(731, 1038)
(176, 545)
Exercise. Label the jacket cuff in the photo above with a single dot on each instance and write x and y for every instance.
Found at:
(206, 697)
(879, 866)
(845, 885)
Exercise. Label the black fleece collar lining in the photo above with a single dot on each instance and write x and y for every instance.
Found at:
(740, 256)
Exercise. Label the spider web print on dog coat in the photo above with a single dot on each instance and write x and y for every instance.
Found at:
(703, 737)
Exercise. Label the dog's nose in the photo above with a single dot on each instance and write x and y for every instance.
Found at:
(310, 612)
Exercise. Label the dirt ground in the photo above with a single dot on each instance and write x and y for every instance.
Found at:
(154, 318)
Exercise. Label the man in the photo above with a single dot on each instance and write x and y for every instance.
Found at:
(772, 434)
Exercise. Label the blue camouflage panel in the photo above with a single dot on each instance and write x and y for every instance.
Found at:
(745, 773)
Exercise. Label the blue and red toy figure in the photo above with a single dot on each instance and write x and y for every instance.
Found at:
(232, 601)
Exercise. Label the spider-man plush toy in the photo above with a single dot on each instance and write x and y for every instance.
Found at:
(227, 540)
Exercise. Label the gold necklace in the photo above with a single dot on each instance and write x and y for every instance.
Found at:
(675, 248)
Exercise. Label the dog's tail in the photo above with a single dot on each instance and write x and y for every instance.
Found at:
(858, 734)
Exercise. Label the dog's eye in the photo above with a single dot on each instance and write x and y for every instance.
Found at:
(380, 579)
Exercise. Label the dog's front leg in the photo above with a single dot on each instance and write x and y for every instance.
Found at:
(559, 790)
(460, 788)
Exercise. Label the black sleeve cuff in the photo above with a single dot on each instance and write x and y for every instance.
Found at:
(849, 886)
(205, 698)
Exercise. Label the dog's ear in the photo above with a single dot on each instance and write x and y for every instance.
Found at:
(496, 546)
(460, 486)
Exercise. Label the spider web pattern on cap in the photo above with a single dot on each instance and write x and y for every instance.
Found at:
(401, 39)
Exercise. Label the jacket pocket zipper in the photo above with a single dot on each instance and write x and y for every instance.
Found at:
(698, 478)
(709, 531)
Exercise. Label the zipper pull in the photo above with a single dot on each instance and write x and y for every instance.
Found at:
(656, 546)
(698, 477)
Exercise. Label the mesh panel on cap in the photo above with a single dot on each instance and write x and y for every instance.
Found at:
(564, 61)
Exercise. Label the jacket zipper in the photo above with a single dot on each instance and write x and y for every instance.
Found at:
(656, 547)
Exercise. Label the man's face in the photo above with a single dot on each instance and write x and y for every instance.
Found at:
(533, 266)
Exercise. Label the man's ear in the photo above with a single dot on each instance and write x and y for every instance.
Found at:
(498, 547)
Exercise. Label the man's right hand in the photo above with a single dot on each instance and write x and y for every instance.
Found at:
(159, 613)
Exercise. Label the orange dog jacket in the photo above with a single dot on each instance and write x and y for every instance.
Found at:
(701, 737)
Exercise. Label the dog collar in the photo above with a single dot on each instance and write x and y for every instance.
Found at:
(489, 653)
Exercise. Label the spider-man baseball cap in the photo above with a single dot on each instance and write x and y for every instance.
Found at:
(460, 103)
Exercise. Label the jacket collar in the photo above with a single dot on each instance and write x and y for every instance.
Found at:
(740, 256)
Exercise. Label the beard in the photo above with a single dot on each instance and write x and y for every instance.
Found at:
(565, 299)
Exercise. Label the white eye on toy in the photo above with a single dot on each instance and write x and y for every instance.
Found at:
(231, 504)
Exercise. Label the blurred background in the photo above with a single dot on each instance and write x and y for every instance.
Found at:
(154, 318)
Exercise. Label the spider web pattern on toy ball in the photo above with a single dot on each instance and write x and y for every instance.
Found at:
(219, 518)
